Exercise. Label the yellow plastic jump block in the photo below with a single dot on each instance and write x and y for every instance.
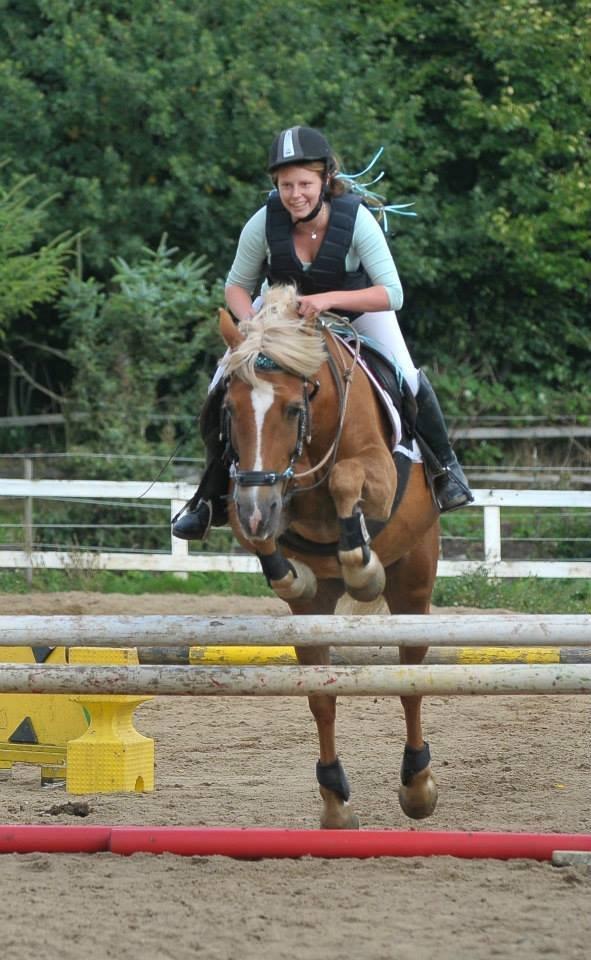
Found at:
(237, 656)
(35, 729)
(110, 756)
(88, 741)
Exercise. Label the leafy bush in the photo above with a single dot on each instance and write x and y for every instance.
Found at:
(29, 274)
(142, 351)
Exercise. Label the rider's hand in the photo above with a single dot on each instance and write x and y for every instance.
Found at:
(314, 303)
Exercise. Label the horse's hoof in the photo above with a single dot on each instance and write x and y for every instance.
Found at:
(336, 814)
(419, 798)
(363, 583)
(366, 594)
(301, 586)
(350, 822)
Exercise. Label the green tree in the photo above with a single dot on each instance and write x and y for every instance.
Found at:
(32, 272)
(29, 275)
(153, 116)
(142, 351)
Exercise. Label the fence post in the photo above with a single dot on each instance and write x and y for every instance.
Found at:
(28, 521)
(492, 534)
(178, 548)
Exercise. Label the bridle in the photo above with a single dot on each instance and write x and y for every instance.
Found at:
(342, 379)
(268, 478)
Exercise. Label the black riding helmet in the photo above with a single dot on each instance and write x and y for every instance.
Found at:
(300, 145)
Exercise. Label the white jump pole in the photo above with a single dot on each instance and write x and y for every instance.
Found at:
(440, 680)
(507, 630)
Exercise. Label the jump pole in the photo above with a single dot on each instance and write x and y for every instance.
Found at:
(361, 656)
(257, 844)
(157, 680)
(508, 630)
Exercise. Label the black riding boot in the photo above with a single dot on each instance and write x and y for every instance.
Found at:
(194, 524)
(207, 508)
(449, 482)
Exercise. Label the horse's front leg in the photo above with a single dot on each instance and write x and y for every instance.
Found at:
(337, 813)
(350, 485)
(254, 513)
(290, 579)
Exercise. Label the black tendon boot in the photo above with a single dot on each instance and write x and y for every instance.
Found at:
(207, 507)
(449, 482)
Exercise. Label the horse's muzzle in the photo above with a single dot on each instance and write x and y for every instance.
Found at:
(259, 510)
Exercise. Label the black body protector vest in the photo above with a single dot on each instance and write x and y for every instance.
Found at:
(327, 271)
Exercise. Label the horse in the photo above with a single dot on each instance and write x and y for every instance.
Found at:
(318, 496)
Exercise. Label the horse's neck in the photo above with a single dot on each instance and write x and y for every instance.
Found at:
(325, 407)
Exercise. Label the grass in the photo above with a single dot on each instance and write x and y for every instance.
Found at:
(523, 595)
(134, 582)
(476, 590)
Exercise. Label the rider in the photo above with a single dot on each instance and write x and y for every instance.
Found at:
(313, 231)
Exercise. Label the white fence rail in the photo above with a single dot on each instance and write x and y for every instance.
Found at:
(479, 428)
(181, 560)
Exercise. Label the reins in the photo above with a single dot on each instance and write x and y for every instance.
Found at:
(343, 392)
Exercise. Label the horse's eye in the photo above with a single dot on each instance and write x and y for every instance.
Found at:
(228, 409)
(293, 411)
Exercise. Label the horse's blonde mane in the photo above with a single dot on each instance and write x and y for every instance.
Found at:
(277, 331)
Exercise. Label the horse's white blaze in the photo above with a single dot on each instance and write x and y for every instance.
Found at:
(261, 399)
(255, 518)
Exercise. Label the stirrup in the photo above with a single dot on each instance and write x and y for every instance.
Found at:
(461, 498)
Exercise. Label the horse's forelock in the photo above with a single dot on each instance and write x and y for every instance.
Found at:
(277, 331)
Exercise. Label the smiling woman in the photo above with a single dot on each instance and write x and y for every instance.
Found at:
(313, 232)
(316, 234)
(300, 189)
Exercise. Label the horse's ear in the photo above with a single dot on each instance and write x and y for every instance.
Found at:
(229, 330)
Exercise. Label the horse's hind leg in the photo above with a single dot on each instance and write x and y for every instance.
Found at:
(408, 590)
(336, 814)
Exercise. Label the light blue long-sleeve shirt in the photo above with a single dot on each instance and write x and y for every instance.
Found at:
(368, 248)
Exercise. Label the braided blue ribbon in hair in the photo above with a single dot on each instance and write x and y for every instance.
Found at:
(377, 204)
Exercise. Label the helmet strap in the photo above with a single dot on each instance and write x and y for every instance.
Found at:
(314, 212)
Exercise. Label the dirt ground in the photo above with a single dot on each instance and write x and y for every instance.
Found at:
(502, 763)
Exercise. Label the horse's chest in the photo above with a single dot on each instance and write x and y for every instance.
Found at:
(314, 518)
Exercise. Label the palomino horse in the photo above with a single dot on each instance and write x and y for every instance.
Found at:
(312, 461)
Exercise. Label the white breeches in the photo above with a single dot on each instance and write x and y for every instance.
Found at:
(383, 328)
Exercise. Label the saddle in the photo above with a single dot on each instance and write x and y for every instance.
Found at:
(389, 378)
